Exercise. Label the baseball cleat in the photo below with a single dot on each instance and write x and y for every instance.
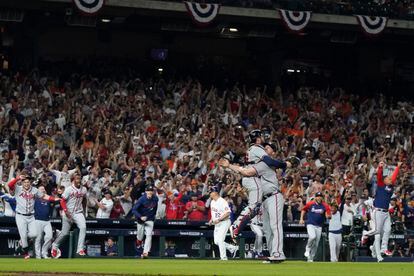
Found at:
(81, 253)
(387, 253)
(144, 256)
(55, 253)
(380, 259)
(26, 256)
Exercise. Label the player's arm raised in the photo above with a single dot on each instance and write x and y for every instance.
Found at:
(248, 171)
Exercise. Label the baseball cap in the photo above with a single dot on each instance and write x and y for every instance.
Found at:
(318, 194)
(214, 189)
(273, 146)
(149, 188)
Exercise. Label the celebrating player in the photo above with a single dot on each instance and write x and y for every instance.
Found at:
(144, 211)
(25, 196)
(317, 212)
(380, 214)
(72, 205)
(272, 205)
(220, 218)
(42, 217)
(335, 233)
(251, 183)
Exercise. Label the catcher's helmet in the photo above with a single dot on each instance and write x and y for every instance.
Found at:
(254, 134)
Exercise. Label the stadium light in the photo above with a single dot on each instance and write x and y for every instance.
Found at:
(290, 70)
(106, 20)
(160, 70)
(233, 30)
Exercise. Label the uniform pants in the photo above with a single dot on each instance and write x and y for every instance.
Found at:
(381, 221)
(220, 231)
(314, 233)
(335, 241)
(145, 228)
(26, 226)
(273, 225)
(44, 231)
(255, 194)
(80, 222)
(258, 242)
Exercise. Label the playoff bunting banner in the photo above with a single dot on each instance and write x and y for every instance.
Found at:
(89, 7)
(372, 25)
(202, 14)
(295, 21)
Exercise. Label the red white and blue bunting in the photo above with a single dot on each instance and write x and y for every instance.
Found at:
(202, 14)
(295, 20)
(372, 25)
(89, 6)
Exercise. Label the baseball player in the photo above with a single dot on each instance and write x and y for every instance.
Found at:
(272, 202)
(380, 214)
(335, 233)
(25, 196)
(317, 211)
(144, 211)
(251, 184)
(72, 202)
(44, 227)
(368, 213)
(220, 218)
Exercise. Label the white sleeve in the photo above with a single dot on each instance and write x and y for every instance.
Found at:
(66, 193)
(70, 172)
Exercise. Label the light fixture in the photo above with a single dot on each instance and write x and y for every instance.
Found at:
(233, 30)
(297, 71)
(160, 70)
(290, 70)
(106, 20)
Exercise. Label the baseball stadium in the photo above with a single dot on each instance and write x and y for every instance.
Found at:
(206, 137)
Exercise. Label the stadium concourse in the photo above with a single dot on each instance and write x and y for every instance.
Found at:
(123, 134)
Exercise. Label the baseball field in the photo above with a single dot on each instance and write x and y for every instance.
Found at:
(14, 266)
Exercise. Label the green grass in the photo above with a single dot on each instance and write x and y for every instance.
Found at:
(200, 267)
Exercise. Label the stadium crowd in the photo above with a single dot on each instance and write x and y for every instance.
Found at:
(123, 134)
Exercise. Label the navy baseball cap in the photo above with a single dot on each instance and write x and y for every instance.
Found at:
(149, 188)
(318, 194)
(214, 189)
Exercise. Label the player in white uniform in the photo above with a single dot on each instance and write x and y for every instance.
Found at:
(335, 233)
(72, 206)
(220, 218)
(25, 196)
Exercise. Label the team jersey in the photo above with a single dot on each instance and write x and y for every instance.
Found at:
(384, 192)
(74, 197)
(109, 204)
(268, 178)
(145, 207)
(63, 178)
(316, 212)
(218, 208)
(255, 154)
(335, 225)
(42, 210)
(25, 200)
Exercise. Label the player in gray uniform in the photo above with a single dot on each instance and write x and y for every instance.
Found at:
(251, 184)
(272, 203)
(72, 202)
(25, 196)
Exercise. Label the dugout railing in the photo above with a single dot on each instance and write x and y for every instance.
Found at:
(179, 239)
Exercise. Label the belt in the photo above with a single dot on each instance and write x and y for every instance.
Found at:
(382, 210)
(26, 215)
(266, 196)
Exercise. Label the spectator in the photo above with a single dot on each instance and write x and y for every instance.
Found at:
(105, 205)
(195, 208)
(111, 249)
